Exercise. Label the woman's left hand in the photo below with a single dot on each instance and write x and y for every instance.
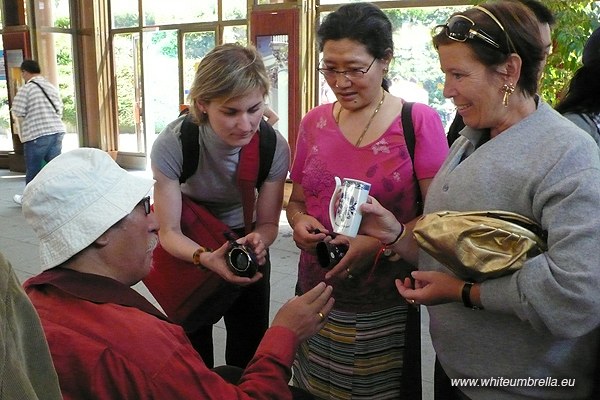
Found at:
(359, 258)
(430, 288)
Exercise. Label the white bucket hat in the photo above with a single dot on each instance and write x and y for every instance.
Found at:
(75, 199)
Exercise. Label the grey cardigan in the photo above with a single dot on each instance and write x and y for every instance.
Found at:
(539, 322)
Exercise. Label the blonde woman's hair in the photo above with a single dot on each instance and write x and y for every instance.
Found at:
(227, 71)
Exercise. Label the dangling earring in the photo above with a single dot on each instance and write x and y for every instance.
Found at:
(508, 89)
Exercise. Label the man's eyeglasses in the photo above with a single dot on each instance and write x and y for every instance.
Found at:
(146, 202)
(460, 28)
(356, 73)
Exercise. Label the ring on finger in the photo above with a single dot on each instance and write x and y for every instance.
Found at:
(320, 314)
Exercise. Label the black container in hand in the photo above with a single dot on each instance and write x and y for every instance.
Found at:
(330, 254)
(242, 260)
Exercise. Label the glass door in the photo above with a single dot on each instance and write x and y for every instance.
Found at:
(161, 81)
(126, 51)
(275, 34)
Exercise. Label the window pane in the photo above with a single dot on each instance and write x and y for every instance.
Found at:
(234, 9)
(274, 50)
(5, 132)
(53, 13)
(56, 61)
(161, 81)
(235, 34)
(127, 78)
(195, 47)
(124, 13)
(160, 12)
(282, 1)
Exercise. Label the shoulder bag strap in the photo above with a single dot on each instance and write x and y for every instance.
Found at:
(45, 94)
(256, 159)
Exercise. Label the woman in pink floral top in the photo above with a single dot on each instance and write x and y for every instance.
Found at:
(359, 353)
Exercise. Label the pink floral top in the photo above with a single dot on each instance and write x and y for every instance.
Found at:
(323, 152)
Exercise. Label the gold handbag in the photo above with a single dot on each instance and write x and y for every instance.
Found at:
(478, 245)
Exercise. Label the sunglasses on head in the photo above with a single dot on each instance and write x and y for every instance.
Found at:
(461, 28)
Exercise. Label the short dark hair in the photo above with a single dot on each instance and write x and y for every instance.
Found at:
(30, 66)
(364, 23)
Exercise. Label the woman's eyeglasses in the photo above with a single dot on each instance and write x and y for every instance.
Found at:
(357, 73)
(460, 28)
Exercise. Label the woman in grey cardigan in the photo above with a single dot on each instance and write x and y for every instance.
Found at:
(533, 334)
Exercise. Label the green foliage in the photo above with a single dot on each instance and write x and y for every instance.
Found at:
(63, 56)
(125, 100)
(166, 41)
(62, 22)
(575, 22)
(125, 20)
(415, 59)
(196, 45)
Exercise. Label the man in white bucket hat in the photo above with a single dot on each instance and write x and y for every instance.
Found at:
(97, 233)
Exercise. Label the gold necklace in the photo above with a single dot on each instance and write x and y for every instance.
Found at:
(362, 135)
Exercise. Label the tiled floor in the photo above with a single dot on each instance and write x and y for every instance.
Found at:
(19, 245)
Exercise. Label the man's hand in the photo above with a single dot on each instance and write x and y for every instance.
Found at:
(306, 315)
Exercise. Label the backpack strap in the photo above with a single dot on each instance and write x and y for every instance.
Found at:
(409, 130)
(268, 142)
(190, 148)
(409, 138)
(412, 354)
(256, 159)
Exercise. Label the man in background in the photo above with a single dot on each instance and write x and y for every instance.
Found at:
(38, 105)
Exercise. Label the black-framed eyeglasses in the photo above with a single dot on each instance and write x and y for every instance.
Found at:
(460, 28)
(146, 202)
(356, 73)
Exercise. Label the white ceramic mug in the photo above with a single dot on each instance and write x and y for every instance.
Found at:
(347, 217)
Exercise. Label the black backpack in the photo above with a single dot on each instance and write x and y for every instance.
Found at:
(191, 149)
